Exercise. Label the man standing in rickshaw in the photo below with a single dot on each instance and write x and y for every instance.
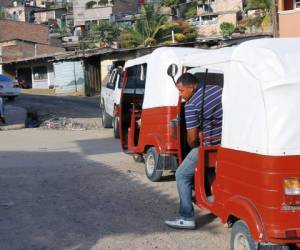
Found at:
(203, 113)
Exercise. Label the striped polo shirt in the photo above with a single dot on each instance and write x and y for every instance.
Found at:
(212, 115)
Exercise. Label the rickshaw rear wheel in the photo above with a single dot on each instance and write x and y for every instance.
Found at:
(151, 165)
(241, 238)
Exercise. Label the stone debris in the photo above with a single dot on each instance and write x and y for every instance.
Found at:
(63, 123)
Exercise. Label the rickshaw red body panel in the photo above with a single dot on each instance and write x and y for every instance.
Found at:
(155, 130)
(249, 187)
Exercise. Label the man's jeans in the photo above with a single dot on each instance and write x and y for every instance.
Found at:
(184, 181)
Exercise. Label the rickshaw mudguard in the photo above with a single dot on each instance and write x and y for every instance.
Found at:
(243, 209)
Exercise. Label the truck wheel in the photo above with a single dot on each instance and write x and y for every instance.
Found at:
(115, 123)
(241, 238)
(106, 118)
(151, 164)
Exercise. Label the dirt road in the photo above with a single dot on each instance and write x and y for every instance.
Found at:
(71, 190)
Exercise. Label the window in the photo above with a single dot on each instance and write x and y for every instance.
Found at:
(120, 80)
(211, 77)
(136, 77)
(112, 80)
(297, 4)
(40, 73)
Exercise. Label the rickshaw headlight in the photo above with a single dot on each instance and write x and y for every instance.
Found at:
(291, 186)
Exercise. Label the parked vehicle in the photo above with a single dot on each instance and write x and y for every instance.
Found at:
(110, 100)
(150, 112)
(252, 181)
(8, 87)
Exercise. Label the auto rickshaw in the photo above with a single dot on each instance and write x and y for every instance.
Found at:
(252, 180)
(150, 112)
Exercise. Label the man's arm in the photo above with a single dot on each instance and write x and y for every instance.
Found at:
(193, 137)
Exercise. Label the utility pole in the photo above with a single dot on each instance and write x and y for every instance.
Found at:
(274, 14)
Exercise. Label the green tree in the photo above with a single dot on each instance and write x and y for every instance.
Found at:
(191, 11)
(227, 29)
(169, 3)
(145, 29)
(258, 4)
(2, 13)
(153, 28)
(104, 32)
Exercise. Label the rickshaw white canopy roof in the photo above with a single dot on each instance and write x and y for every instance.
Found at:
(160, 90)
(261, 94)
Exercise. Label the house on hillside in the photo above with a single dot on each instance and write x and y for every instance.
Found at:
(87, 11)
(54, 18)
(211, 13)
(289, 18)
(21, 12)
(20, 41)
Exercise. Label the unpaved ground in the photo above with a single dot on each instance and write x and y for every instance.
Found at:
(84, 110)
(63, 189)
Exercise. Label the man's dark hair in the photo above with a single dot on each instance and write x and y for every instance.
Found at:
(187, 79)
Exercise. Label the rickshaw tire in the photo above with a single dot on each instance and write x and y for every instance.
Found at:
(240, 228)
(116, 127)
(157, 173)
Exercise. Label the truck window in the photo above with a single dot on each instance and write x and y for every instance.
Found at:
(120, 80)
(112, 80)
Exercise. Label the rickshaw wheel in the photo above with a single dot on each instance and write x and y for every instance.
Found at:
(115, 123)
(151, 164)
(241, 238)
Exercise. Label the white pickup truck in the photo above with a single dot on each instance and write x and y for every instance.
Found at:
(110, 100)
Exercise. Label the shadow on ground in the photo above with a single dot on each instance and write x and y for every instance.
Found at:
(60, 200)
(100, 146)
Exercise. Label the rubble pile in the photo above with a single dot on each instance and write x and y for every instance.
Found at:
(63, 123)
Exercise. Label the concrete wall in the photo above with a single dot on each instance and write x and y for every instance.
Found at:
(289, 23)
(81, 14)
(228, 5)
(69, 77)
(289, 19)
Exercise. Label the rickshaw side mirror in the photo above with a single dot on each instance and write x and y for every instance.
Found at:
(172, 70)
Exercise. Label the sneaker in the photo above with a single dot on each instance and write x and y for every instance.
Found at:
(181, 223)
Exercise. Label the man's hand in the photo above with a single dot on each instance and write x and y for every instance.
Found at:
(193, 137)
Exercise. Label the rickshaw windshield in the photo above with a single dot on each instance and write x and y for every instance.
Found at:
(136, 76)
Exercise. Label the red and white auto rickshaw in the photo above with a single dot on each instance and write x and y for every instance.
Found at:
(252, 181)
(150, 114)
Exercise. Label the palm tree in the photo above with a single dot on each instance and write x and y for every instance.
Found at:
(146, 27)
